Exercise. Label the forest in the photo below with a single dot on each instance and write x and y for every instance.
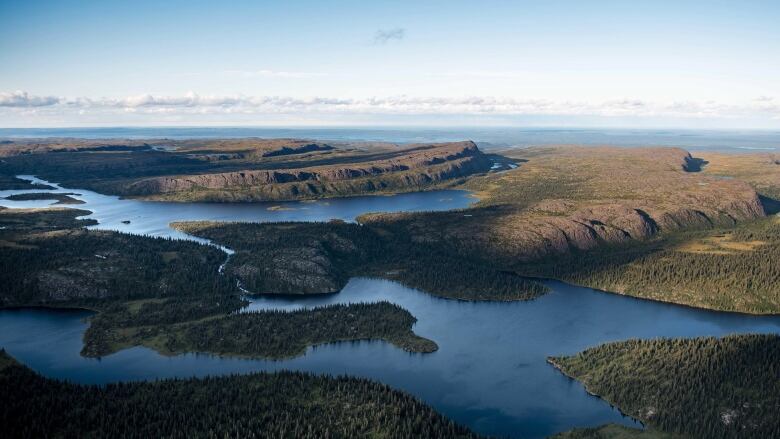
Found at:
(612, 431)
(736, 267)
(59, 198)
(307, 258)
(8, 182)
(47, 259)
(705, 388)
(166, 294)
(266, 334)
(261, 405)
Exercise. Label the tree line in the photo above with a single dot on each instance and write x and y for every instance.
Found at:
(294, 258)
(745, 279)
(262, 405)
(703, 388)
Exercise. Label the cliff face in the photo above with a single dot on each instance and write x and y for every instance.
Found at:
(414, 167)
(565, 199)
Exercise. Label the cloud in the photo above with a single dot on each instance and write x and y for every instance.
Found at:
(384, 36)
(193, 103)
(22, 99)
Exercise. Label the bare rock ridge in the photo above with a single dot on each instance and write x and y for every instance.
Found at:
(565, 199)
(412, 167)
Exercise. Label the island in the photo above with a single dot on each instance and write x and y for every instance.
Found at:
(60, 198)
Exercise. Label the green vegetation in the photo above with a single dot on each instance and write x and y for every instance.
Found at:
(166, 294)
(9, 181)
(307, 258)
(557, 215)
(267, 334)
(278, 334)
(16, 223)
(265, 405)
(556, 203)
(612, 431)
(60, 198)
(703, 388)
(732, 269)
(46, 260)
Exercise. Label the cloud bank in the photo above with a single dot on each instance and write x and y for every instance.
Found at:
(21, 106)
(23, 99)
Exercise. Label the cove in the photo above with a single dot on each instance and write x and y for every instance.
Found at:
(489, 373)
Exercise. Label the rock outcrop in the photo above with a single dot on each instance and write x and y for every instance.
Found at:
(566, 199)
(411, 168)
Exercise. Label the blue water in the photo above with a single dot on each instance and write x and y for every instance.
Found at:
(705, 140)
(489, 373)
(153, 217)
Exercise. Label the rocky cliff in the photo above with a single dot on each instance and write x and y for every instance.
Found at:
(565, 199)
(410, 168)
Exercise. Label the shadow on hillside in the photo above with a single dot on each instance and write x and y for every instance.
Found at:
(771, 206)
(695, 164)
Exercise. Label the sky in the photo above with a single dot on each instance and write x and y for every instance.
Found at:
(688, 64)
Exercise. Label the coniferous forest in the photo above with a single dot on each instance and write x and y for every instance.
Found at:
(301, 258)
(267, 334)
(731, 269)
(705, 388)
(263, 405)
(167, 294)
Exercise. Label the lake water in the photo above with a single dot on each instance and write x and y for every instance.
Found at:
(489, 373)
(153, 217)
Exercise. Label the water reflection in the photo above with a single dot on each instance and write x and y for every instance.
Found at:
(489, 372)
(153, 217)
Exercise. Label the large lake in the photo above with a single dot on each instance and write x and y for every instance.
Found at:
(489, 372)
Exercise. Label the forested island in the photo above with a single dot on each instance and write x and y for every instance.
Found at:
(195, 326)
(264, 405)
(701, 388)
(59, 198)
(166, 294)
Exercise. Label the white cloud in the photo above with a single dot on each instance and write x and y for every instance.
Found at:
(192, 103)
(384, 36)
(22, 99)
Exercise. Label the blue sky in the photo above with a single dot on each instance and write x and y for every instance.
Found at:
(706, 64)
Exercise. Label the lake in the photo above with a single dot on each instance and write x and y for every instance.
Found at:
(153, 217)
(489, 373)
